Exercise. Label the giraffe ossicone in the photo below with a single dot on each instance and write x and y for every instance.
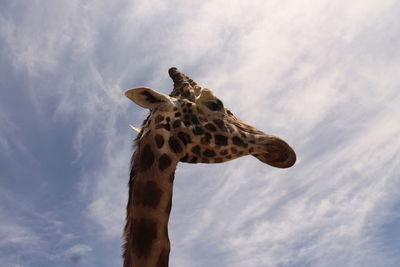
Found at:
(190, 125)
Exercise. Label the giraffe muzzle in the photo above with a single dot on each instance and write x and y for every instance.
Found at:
(276, 152)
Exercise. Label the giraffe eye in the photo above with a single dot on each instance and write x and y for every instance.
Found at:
(214, 105)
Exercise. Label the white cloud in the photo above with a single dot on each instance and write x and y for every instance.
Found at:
(77, 252)
(323, 75)
(16, 234)
(8, 143)
(40, 36)
(109, 195)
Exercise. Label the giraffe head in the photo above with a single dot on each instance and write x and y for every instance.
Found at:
(192, 125)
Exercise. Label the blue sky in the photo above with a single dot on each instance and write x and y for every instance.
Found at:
(323, 75)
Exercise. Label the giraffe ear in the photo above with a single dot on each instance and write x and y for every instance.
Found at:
(148, 98)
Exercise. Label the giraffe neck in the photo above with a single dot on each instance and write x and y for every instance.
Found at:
(149, 205)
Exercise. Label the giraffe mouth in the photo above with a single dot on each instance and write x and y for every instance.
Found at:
(276, 152)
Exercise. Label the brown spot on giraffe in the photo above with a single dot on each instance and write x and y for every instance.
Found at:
(159, 119)
(148, 158)
(164, 162)
(209, 153)
(147, 194)
(185, 138)
(174, 145)
(221, 140)
(144, 232)
(176, 124)
(210, 127)
(238, 141)
(159, 140)
(196, 150)
(189, 125)
(198, 130)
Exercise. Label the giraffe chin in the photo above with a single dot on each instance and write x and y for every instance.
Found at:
(276, 153)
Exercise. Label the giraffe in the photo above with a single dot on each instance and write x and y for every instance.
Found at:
(190, 125)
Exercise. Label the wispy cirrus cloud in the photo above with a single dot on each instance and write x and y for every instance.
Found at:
(76, 252)
(322, 76)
